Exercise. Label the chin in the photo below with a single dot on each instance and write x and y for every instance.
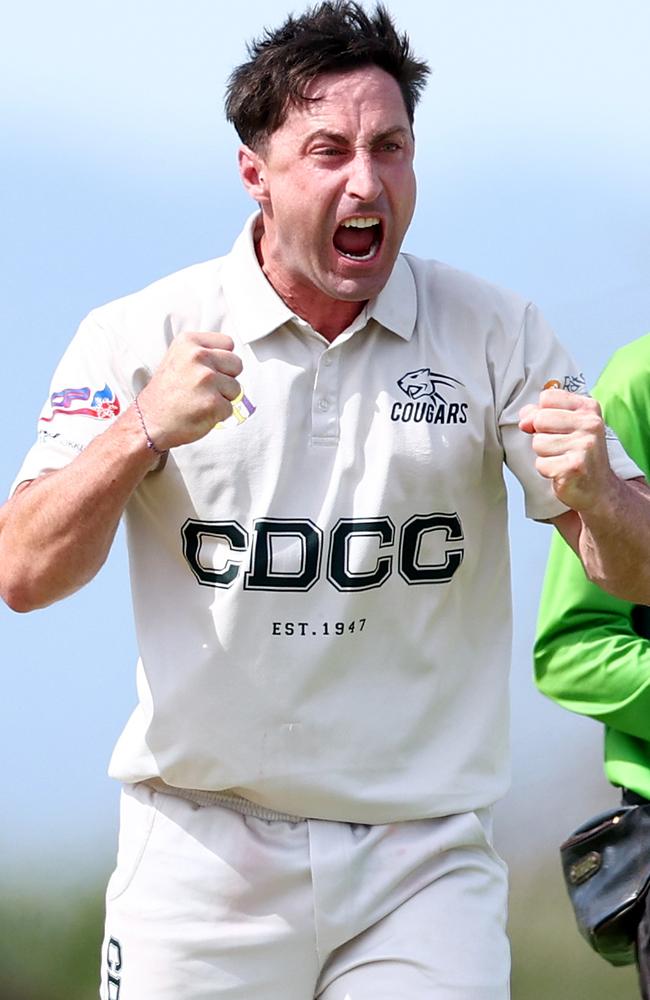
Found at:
(359, 289)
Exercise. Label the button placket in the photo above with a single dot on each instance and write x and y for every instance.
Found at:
(325, 419)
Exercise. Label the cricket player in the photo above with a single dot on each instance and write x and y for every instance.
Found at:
(592, 653)
(306, 438)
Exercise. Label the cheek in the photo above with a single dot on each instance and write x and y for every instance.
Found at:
(289, 218)
(408, 183)
(404, 191)
(299, 210)
(413, 183)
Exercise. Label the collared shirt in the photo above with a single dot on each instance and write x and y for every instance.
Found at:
(321, 583)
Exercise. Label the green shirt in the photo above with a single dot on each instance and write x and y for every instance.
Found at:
(589, 656)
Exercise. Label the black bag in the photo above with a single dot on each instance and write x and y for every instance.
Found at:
(606, 865)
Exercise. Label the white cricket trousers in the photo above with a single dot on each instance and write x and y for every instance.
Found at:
(208, 903)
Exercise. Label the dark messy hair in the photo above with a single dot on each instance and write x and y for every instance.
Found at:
(331, 36)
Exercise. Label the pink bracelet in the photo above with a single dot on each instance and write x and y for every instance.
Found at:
(150, 443)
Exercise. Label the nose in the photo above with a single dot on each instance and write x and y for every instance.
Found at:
(364, 183)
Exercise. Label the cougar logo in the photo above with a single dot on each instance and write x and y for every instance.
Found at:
(423, 382)
(428, 403)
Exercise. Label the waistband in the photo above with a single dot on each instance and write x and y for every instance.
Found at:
(229, 800)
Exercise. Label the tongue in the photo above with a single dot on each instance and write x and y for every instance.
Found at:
(354, 241)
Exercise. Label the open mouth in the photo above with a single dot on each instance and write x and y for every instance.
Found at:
(359, 238)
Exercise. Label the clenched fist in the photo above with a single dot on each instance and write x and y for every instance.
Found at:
(569, 440)
(191, 390)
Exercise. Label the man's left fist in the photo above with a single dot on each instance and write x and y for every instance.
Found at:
(569, 440)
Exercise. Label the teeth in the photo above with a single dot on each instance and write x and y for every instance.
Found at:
(362, 223)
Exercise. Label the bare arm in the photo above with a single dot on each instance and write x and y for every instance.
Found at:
(608, 526)
(56, 532)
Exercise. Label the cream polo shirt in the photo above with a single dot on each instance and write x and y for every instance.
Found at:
(321, 584)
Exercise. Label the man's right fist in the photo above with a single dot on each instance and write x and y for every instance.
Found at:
(191, 390)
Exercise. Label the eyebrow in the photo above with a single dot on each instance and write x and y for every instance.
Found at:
(341, 139)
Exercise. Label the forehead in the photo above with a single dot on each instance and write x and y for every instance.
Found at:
(360, 99)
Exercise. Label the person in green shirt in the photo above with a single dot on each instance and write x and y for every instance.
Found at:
(592, 652)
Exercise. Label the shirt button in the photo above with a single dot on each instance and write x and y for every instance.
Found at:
(327, 360)
(323, 405)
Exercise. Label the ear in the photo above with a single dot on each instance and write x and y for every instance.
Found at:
(253, 174)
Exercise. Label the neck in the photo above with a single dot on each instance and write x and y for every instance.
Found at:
(325, 315)
(330, 319)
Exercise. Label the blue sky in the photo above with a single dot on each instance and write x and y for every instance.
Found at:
(533, 156)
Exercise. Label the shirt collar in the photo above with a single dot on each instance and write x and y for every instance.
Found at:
(258, 310)
(396, 306)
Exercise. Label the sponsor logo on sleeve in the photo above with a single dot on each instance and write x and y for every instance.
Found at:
(242, 409)
(575, 383)
(430, 399)
(45, 437)
(102, 404)
(570, 383)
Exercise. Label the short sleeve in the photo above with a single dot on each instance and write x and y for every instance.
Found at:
(93, 383)
(539, 362)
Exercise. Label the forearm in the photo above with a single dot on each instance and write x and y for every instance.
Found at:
(614, 542)
(56, 533)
